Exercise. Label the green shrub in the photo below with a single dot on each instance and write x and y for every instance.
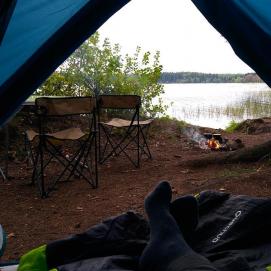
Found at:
(233, 126)
(100, 68)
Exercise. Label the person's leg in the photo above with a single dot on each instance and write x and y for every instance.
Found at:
(167, 248)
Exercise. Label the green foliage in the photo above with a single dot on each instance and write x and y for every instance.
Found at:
(101, 69)
(167, 119)
(181, 124)
(233, 126)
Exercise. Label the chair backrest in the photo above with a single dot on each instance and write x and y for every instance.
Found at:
(119, 101)
(63, 106)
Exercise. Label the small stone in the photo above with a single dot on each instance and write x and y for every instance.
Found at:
(11, 235)
(77, 225)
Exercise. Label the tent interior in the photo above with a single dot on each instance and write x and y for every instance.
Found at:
(37, 36)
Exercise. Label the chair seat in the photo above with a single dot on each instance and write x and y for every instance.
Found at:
(67, 134)
(31, 134)
(116, 122)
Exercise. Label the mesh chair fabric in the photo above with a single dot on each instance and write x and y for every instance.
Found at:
(119, 101)
(66, 106)
(116, 122)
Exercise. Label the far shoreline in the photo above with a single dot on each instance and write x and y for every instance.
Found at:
(197, 77)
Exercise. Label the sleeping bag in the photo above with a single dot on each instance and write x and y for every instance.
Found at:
(233, 233)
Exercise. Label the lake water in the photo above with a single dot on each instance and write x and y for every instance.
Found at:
(215, 105)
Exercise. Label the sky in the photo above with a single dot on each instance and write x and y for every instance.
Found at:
(185, 39)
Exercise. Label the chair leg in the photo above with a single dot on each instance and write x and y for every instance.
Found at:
(143, 147)
(35, 166)
(73, 165)
(43, 193)
(2, 174)
(96, 161)
(65, 162)
(77, 160)
(120, 146)
(138, 149)
(145, 144)
(109, 141)
(88, 162)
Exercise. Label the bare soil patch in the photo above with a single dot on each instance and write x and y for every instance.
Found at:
(30, 221)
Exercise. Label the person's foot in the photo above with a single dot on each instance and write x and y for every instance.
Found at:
(166, 240)
(158, 199)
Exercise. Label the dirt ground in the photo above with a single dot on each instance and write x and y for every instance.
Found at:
(30, 221)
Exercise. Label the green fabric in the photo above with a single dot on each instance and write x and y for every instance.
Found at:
(34, 260)
(268, 268)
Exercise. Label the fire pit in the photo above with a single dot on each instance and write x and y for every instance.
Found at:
(211, 141)
(216, 142)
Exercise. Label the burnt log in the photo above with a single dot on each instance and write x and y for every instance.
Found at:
(244, 155)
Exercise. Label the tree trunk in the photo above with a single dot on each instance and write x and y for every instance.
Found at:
(252, 154)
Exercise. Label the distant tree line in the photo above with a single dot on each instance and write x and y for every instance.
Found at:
(195, 77)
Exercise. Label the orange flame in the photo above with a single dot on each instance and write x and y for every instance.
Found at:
(213, 144)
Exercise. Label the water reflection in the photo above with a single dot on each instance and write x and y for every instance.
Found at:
(215, 105)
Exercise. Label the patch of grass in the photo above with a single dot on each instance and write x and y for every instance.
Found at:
(166, 119)
(166, 126)
(233, 126)
(235, 172)
(181, 124)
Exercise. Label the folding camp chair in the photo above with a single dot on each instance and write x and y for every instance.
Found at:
(75, 150)
(132, 140)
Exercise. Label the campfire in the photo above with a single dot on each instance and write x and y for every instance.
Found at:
(213, 144)
(212, 141)
(215, 141)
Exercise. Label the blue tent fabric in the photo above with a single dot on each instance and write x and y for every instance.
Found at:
(246, 24)
(40, 35)
(6, 10)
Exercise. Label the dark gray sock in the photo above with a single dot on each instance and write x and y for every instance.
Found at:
(166, 240)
